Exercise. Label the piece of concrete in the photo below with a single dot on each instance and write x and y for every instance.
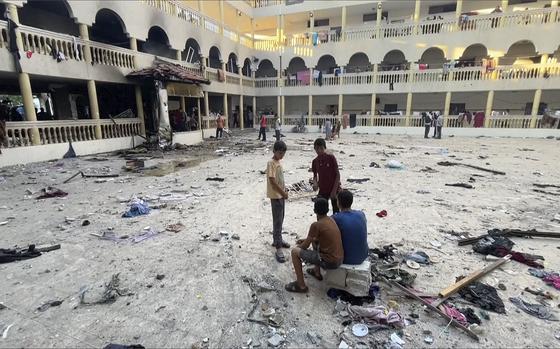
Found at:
(275, 340)
(354, 279)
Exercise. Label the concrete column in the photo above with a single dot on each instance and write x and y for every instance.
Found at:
(309, 109)
(311, 77)
(28, 106)
(254, 111)
(201, 10)
(178, 53)
(94, 107)
(253, 32)
(134, 47)
(379, 19)
(241, 112)
(140, 109)
(535, 109)
(199, 114)
(224, 70)
(408, 108)
(311, 22)
(446, 107)
(343, 22)
(12, 9)
(340, 102)
(283, 105)
(417, 11)
(279, 106)
(505, 4)
(544, 60)
(221, 16)
(84, 35)
(488, 111)
(183, 104)
(226, 109)
(206, 108)
(459, 8)
(372, 108)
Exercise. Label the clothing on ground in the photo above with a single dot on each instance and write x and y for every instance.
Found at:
(137, 208)
(536, 310)
(326, 234)
(274, 170)
(376, 315)
(485, 296)
(353, 230)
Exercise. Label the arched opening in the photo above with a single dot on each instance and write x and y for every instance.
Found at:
(157, 43)
(433, 57)
(359, 62)
(109, 28)
(246, 70)
(473, 55)
(326, 64)
(521, 52)
(296, 64)
(266, 70)
(231, 65)
(394, 60)
(214, 58)
(55, 16)
(191, 53)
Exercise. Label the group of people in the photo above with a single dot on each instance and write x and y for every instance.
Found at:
(335, 240)
(332, 129)
(277, 128)
(181, 121)
(435, 120)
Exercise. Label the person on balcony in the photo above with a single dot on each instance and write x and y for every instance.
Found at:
(427, 124)
(42, 115)
(219, 126)
(326, 176)
(262, 129)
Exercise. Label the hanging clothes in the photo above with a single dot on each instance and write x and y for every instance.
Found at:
(479, 119)
(320, 78)
(76, 50)
(315, 39)
(422, 66)
(304, 77)
(14, 50)
(221, 75)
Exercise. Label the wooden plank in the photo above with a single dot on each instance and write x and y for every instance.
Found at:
(432, 308)
(473, 277)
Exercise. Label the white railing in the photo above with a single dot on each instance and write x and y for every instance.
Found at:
(248, 82)
(245, 41)
(230, 34)
(266, 82)
(62, 131)
(266, 45)
(357, 78)
(211, 25)
(360, 34)
(392, 77)
(232, 78)
(263, 3)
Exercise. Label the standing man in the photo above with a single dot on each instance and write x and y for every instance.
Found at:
(434, 123)
(427, 124)
(262, 129)
(276, 192)
(219, 126)
(439, 126)
(326, 176)
(277, 128)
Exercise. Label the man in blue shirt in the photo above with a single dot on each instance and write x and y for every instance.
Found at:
(353, 229)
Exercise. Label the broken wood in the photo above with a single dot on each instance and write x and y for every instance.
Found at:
(71, 178)
(538, 185)
(449, 163)
(48, 248)
(432, 308)
(91, 175)
(473, 277)
(546, 192)
(460, 185)
(510, 232)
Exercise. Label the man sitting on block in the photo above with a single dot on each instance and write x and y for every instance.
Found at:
(353, 229)
(327, 251)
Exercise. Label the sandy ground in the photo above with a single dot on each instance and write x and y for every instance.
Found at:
(205, 296)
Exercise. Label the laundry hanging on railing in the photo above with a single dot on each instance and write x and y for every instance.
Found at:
(14, 50)
(315, 38)
(221, 75)
(489, 65)
(422, 66)
(338, 71)
(76, 51)
(304, 76)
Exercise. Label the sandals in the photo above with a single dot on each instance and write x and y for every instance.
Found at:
(311, 271)
(280, 257)
(294, 287)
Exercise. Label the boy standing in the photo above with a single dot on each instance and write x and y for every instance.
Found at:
(262, 130)
(219, 126)
(277, 128)
(326, 176)
(427, 124)
(276, 192)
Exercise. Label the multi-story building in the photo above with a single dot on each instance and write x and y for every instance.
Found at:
(382, 63)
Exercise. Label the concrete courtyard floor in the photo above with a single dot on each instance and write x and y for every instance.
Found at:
(208, 279)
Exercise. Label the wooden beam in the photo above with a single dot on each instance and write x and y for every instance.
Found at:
(473, 277)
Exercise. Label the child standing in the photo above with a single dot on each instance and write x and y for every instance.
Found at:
(326, 176)
(276, 192)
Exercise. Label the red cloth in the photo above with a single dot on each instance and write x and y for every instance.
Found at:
(518, 256)
(552, 280)
(326, 167)
(479, 119)
(220, 122)
(263, 121)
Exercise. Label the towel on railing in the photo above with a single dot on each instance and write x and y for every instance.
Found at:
(221, 75)
(304, 76)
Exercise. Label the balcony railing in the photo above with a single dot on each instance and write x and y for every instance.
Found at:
(19, 133)
(263, 3)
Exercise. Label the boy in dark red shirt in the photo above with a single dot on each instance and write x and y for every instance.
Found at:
(326, 176)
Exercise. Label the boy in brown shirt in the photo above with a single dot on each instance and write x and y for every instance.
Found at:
(327, 253)
(276, 192)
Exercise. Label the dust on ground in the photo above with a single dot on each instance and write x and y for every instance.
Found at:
(200, 286)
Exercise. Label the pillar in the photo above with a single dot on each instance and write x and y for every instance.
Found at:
(221, 2)
(279, 106)
(140, 109)
(416, 11)
(134, 47)
(94, 107)
(199, 114)
(311, 77)
(446, 107)
(311, 22)
(459, 8)
(379, 19)
(241, 112)
(12, 9)
(283, 105)
(408, 108)
(255, 115)
(28, 106)
(201, 10)
(372, 108)
(183, 104)
(84, 35)
(535, 109)
(340, 102)
(206, 108)
(343, 23)
(505, 5)
(488, 111)
(226, 110)
(253, 33)
(544, 60)
(309, 109)
(178, 53)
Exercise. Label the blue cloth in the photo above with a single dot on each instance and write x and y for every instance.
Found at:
(353, 228)
(137, 208)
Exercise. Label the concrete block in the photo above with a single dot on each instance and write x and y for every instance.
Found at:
(354, 279)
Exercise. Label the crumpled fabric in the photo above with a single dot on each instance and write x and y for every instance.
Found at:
(137, 208)
(456, 314)
(471, 316)
(501, 246)
(536, 310)
(485, 296)
(376, 314)
(393, 272)
(525, 258)
(549, 277)
(51, 192)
